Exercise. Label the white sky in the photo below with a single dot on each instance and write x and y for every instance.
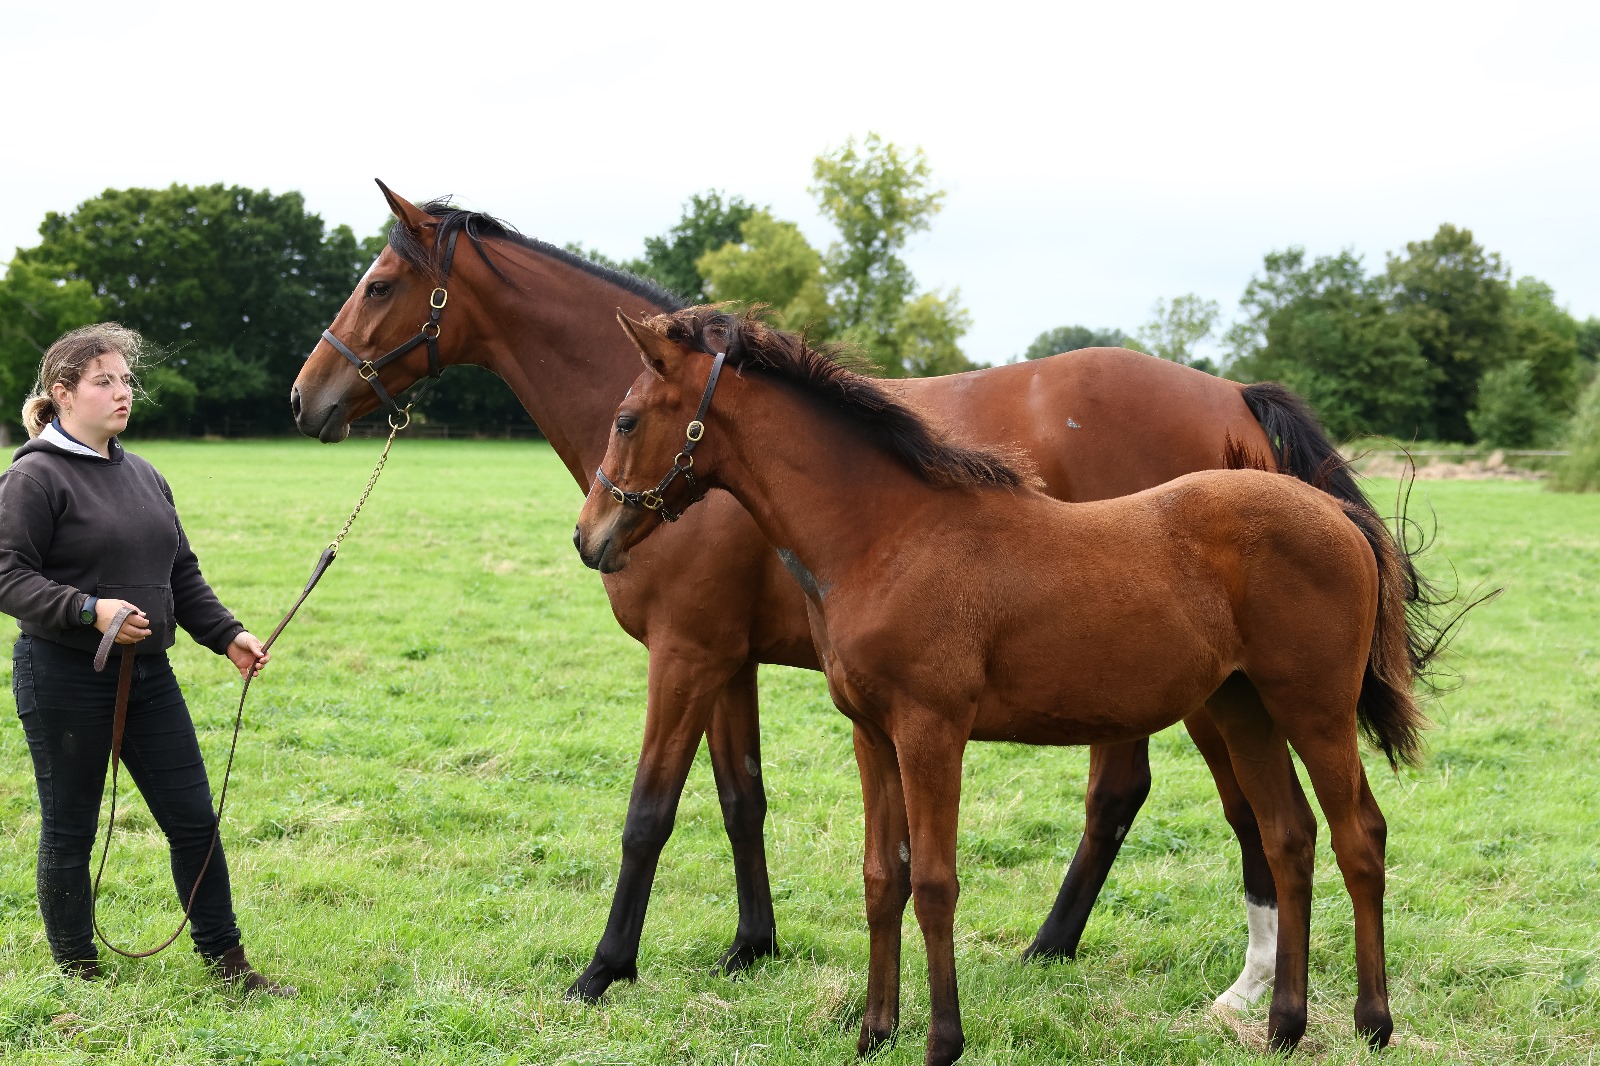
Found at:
(1096, 156)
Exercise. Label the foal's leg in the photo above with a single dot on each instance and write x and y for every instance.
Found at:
(1119, 781)
(1260, 894)
(930, 775)
(735, 742)
(1328, 745)
(1261, 763)
(684, 683)
(886, 874)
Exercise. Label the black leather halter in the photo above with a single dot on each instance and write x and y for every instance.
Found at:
(428, 334)
(655, 499)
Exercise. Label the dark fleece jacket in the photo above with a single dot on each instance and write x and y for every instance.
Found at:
(74, 524)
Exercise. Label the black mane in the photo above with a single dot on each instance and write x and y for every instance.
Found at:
(427, 259)
(752, 345)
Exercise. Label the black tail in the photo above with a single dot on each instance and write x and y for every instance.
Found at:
(1303, 450)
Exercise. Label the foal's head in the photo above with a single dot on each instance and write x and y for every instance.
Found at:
(648, 472)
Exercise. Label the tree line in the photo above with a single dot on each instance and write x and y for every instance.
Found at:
(235, 284)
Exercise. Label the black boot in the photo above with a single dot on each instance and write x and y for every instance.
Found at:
(236, 970)
(88, 969)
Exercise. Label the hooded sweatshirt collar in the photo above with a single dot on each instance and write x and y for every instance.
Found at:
(55, 439)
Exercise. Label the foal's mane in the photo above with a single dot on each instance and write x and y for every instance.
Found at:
(818, 375)
(477, 226)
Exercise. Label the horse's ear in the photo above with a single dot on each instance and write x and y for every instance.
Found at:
(660, 355)
(410, 215)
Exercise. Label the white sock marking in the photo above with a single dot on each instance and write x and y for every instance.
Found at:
(1260, 959)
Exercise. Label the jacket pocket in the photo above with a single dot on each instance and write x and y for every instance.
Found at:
(155, 601)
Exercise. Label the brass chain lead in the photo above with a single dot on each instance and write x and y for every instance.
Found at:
(394, 428)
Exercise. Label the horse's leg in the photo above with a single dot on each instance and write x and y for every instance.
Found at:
(886, 874)
(1119, 781)
(1260, 894)
(735, 742)
(1328, 746)
(684, 683)
(930, 777)
(1262, 766)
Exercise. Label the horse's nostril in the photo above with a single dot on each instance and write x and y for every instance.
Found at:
(577, 538)
(294, 402)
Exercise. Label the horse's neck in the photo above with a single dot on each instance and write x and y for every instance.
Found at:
(552, 336)
(816, 486)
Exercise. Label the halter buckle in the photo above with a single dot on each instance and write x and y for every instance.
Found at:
(438, 298)
(367, 372)
(618, 495)
(650, 501)
(696, 430)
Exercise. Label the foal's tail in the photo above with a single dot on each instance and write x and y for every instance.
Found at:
(1406, 639)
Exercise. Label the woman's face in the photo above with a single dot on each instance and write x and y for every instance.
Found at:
(100, 404)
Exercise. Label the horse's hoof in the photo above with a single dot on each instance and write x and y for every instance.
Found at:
(1376, 1025)
(872, 1039)
(593, 982)
(742, 954)
(943, 1050)
(1045, 953)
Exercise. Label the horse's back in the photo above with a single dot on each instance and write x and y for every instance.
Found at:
(1099, 422)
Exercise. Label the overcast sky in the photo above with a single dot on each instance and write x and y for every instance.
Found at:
(1096, 157)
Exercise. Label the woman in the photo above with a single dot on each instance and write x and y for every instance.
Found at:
(86, 529)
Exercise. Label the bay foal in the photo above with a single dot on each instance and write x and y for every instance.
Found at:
(949, 601)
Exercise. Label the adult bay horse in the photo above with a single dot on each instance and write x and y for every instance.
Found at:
(951, 601)
(1097, 423)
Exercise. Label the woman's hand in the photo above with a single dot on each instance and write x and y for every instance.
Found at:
(134, 628)
(247, 654)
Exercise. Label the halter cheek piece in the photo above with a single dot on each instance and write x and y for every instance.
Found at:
(655, 499)
(428, 334)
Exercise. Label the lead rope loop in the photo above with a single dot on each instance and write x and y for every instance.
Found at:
(125, 686)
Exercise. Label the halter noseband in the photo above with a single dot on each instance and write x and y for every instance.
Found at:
(428, 334)
(655, 499)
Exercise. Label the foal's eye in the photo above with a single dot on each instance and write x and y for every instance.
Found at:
(378, 289)
(626, 423)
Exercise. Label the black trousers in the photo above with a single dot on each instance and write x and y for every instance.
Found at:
(66, 710)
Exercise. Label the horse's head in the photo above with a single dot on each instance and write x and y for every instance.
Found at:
(392, 331)
(648, 474)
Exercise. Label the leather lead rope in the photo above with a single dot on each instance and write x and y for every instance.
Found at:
(119, 717)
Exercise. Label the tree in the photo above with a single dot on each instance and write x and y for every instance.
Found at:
(709, 222)
(1325, 330)
(1071, 338)
(1510, 412)
(1453, 299)
(928, 332)
(35, 309)
(1545, 337)
(771, 263)
(1176, 327)
(1579, 469)
(877, 196)
(212, 269)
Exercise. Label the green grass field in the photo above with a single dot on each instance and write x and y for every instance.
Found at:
(427, 809)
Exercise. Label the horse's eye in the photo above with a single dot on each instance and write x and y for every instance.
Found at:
(378, 290)
(626, 423)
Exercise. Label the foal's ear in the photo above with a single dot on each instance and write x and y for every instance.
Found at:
(660, 355)
(410, 215)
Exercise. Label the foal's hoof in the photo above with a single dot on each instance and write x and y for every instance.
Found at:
(872, 1039)
(943, 1049)
(742, 954)
(593, 982)
(1285, 1028)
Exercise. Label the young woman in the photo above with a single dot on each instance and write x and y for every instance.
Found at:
(87, 528)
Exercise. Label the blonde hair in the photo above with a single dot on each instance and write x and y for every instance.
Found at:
(65, 361)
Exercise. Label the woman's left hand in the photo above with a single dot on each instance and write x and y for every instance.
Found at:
(247, 654)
